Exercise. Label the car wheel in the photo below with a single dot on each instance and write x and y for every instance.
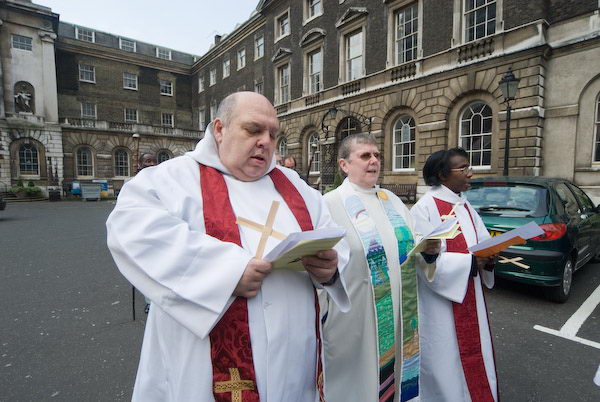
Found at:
(560, 293)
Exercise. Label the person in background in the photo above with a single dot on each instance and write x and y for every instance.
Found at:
(456, 344)
(147, 159)
(290, 162)
(372, 352)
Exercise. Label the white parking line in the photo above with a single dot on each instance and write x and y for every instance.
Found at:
(571, 327)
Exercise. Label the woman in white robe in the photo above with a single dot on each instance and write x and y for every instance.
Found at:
(354, 367)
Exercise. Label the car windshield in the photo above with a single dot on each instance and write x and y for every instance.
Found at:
(508, 199)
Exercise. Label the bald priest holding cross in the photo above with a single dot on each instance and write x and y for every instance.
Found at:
(190, 234)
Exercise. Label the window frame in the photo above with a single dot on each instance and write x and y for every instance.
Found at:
(170, 124)
(84, 116)
(130, 79)
(127, 159)
(202, 118)
(307, 11)
(279, 99)
(282, 146)
(161, 50)
(163, 152)
(346, 59)
(459, 26)
(318, 161)
(490, 133)
(122, 40)
(36, 163)
(80, 32)
(308, 81)
(83, 71)
(226, 67)
(394, 10)
(241, 58)
(127, 120)
(213, 110)
(401, 118)
(259, 84)
(212, 80)
(200, 84)
(21, 45)
(279, 34)
(163, 85)
(78, 173)
(259, 50)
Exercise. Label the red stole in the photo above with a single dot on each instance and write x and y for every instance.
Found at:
(466, 322)
(234, 378)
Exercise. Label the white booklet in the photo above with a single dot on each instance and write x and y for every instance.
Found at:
(288, 253)
(448, 229)
(496, 244)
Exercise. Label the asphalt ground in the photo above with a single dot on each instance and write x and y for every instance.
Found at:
(67, 332)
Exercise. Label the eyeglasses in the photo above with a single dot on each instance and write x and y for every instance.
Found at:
(465, 169)
(368, 155)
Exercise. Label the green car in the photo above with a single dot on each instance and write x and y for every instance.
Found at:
(570, 221)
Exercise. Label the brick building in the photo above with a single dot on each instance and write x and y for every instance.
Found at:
(420, 75)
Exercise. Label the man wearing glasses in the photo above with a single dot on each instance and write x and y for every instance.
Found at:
(457, 359)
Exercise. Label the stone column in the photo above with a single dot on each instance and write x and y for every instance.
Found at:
(49, 91)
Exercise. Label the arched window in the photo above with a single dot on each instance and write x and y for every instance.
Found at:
(314, 153)
(597, 127)
(84, 162)
(348, 125)
(282, 147)
(404, 143)
(28, 159)
(476, 133)
(163, 156)
(121, 163)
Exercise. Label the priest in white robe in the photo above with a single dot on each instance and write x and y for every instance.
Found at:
(372, 352)
(457, 358)
(223, 325)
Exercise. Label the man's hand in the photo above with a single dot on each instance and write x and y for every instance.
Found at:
(486, 262)
(252, 278)
(321, 266)
(433, 247)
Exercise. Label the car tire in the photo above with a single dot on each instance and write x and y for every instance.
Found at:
(560, 293)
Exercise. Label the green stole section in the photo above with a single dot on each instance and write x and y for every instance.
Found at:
(380, 279)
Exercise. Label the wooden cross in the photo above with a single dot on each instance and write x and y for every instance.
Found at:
(266, 229)
(451, 214)
(235, 385)
(503, 260)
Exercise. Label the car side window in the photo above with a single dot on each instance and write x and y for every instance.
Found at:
(583, 199)
(568, 199)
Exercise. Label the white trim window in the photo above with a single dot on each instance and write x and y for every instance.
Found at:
(259, 46)
(404, 143)
(314, 153)
(87, 73)
(163, 53)
(85, 34)
(130, 81)
(200, 84)
(121, 163)
(313, 9)
(213, 77)
(475, 133)
(315, 70)
(201, 119)
(259, 86)
(213, 110)
(282, 25)
(84, 162)
(597, 128)
(282, 147)
(22, 42)
(131, 115)
(88, 110)
(166, 87)
(226, 67)
(127, 45)
(167, 119)
(283, 83)
(479, 19)
(406, 28)
(241, 58)
(353, 55)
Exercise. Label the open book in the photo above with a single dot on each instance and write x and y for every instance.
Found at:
(448, 229)
(496, 244)
(287, 254)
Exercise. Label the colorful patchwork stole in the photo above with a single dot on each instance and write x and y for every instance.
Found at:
(467, 323)
(234, 378)
(380, 279)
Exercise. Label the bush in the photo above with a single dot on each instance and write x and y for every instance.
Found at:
(20, 183)
(30, 184)
(29, 191)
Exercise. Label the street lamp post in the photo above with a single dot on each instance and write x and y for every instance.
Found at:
(508, 85)
(136, 138)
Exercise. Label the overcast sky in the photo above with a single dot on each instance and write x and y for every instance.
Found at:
(185, 25)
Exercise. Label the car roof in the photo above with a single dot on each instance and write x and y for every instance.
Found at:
(537, 180)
